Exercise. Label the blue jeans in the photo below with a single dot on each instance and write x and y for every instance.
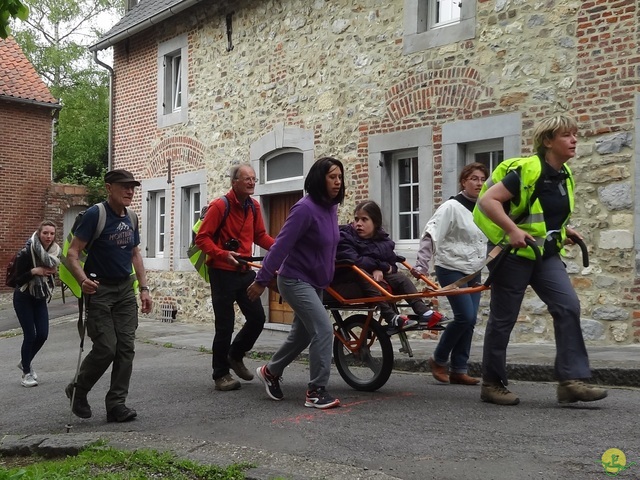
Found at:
(33, 316)
(456, 338)
(311, 327)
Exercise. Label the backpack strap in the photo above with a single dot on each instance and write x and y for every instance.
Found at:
(102, 221)
(227, 207)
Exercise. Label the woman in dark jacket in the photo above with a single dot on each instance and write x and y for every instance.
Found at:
(36, 264)
(365, 244)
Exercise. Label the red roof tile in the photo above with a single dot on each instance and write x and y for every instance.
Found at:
(18, 79)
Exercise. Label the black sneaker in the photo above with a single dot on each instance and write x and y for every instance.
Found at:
(320, 398)
(80, 407)
(121, 413)
(271, 382)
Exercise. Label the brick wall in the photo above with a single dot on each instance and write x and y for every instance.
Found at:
(25, 174)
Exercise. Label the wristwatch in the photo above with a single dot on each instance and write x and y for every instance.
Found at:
(145, 288)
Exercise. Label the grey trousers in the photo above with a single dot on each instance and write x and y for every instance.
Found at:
(112, 320)
(311, 327)
(550, 281)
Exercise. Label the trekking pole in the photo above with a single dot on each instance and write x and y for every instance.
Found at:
(83, 304)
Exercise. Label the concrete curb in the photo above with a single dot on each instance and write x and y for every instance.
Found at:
(203, 452)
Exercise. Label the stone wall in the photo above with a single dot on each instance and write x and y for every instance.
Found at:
(336, 68)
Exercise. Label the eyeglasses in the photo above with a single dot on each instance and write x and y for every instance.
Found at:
(477, 179)
(248, 179)
(125, 186)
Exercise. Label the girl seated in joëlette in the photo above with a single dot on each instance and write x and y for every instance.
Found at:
(365, 244)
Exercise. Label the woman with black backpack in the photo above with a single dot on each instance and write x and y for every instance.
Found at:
(36, 265)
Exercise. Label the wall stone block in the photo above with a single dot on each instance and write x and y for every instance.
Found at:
(609, 313)
(617, 196)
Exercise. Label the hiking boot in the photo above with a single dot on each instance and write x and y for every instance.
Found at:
(121, 413)
(28, 380)
(271, 382)
(431, 318)
(241, 370)
(439, 372)
(80, 407)
(462, 379)
(320, 398)
(31, 371)
(495, 392)
(227, 383)
(570, 391)
(401, 322)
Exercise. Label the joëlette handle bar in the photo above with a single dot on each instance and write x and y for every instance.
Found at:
(583, 248)
(506, 251)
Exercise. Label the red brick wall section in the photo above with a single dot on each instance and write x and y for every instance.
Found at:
(608, 65)
(25, 174)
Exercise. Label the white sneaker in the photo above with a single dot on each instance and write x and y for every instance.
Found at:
(28, 380)
(32, 372)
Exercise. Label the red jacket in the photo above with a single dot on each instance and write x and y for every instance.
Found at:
(240, 225)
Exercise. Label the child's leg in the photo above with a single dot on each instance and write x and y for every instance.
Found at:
(400, 284)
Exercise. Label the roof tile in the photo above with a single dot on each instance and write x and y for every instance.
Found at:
(18, 79)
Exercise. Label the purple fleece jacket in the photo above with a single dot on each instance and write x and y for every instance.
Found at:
(305, 248)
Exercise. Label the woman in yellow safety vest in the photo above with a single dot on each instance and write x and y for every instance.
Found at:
(531, 199)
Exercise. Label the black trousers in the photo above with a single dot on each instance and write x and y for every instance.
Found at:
(227, 288)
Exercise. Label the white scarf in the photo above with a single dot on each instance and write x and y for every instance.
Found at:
(39, 286)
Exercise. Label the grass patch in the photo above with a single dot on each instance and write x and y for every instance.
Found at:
(10, 333)
(204, 349)
(259, 356)
(168, 345)
(107, 463)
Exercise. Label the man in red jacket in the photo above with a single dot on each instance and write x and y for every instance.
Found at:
(224, 241)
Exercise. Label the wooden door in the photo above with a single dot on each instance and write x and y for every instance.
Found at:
(279, 206)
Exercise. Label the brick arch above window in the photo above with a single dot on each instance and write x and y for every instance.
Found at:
(186, 155)
(451, 88)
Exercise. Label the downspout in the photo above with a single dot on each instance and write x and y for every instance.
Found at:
(110, 134)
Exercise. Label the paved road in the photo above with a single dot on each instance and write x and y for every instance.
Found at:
(412, 429)
(57, 309)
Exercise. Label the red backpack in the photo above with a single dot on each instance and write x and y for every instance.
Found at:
(10, 279)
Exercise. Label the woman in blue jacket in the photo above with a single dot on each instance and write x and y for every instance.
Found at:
(303, 256)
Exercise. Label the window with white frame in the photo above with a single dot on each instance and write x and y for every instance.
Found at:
(443, 12)
(283, 164)
(190, 206)
(155, 221)
(433, 23)
(157, 202)
(490, 153)
(406, 191)
(467, 141)
(401, 181)
(172, 82)
(190, 191)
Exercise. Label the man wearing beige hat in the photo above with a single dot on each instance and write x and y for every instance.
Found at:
(107, 283)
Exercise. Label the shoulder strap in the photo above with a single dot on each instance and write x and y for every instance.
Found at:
(133, 216)
(227, 207)
(102, 220)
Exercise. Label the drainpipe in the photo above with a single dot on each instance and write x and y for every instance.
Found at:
(110, 135)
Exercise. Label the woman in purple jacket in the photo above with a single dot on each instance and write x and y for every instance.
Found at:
(303, 256)
(365, 244)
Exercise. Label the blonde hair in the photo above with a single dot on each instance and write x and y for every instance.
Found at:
(548, 127)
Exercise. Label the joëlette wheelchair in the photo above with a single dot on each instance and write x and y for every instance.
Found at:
(362, 349)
